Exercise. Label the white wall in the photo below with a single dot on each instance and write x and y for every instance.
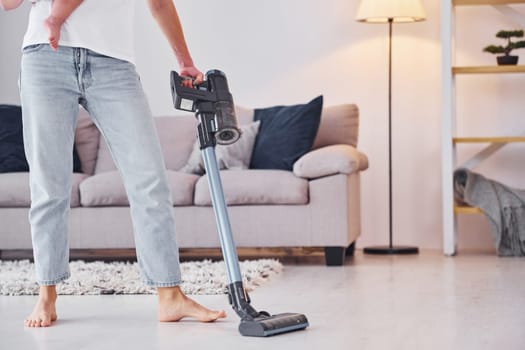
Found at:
(12, 27)
(284, 52)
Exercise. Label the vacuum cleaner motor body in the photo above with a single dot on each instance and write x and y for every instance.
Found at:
(212, 96)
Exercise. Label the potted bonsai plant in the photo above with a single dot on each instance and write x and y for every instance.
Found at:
(506, 58)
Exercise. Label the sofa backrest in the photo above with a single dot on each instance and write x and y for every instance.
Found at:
(339, 125)
(177, 134)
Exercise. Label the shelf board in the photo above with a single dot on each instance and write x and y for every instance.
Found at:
(467, 210)
(501, 139)
(486, 2)
(488, 69)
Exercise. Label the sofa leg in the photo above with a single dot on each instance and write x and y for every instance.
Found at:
(334, 256)
(351, 249)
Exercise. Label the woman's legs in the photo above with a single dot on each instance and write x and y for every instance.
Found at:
(52, 85)
(116, 101)
(49, 95)
(49, 108)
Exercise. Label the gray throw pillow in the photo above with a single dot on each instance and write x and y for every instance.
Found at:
(235, 156)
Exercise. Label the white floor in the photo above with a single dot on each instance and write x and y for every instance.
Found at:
(472, 301)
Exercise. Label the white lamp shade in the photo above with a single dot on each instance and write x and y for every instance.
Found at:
(380, 11)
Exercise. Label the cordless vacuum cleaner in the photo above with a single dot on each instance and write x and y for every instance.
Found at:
(213, 105)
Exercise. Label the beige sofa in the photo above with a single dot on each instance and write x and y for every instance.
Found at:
(316, 205)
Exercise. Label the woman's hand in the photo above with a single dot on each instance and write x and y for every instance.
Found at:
(10, 4)
(193, 72)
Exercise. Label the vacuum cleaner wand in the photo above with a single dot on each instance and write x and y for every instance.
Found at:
(213, 105)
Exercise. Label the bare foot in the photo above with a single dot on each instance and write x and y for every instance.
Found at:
(174, 306)
(53, 25)
(44, 312)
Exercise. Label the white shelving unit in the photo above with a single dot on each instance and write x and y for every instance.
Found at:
(449, 140)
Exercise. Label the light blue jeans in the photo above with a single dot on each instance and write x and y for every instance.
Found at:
(52, 85)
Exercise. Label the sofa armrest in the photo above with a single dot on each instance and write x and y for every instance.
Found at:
(330, 160)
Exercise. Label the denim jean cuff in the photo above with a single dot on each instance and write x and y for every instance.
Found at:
(55, 281)
(162, 284)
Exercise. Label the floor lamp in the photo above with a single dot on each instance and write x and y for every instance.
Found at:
(390, 11)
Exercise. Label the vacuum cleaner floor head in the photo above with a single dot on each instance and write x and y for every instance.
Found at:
(265, 326)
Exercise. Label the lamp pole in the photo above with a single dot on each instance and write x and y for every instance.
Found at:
(390, 22)
(390, 249)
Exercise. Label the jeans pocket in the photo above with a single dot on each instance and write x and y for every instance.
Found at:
(32, 48)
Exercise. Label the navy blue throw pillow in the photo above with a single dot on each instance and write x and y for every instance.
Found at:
(77, 165)
(12, 156)
(285, 134)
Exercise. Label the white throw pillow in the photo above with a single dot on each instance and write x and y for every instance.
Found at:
(234, 156)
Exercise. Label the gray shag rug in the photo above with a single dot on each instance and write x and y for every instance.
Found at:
(94, 278)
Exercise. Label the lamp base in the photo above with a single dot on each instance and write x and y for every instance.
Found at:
(391, 250)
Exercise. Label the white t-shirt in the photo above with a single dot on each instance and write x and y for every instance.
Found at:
(104, 26)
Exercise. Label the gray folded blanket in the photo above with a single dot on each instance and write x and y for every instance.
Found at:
(502, 205)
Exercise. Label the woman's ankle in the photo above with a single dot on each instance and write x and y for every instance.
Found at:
(170, 293)
(48, 293)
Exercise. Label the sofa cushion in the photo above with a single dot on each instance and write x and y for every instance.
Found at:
(256, 187)
(107, 189)
(339, 125)
(234, 156)
(87, 139)
(14, 190)
(285, 134)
